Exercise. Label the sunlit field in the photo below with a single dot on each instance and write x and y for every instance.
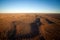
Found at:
(26, 26)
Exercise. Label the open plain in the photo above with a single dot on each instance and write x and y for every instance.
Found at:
(20, 24)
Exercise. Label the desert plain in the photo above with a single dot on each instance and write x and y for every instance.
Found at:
(49, 28)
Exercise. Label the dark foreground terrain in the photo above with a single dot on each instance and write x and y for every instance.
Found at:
(29, 26)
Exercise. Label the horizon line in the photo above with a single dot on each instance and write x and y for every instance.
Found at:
(30, 13)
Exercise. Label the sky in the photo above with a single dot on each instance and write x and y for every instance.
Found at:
(29, 6)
